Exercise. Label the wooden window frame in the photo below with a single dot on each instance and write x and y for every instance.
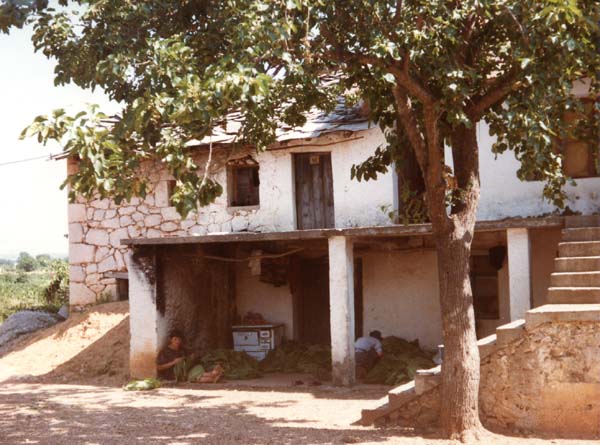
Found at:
(233, 167)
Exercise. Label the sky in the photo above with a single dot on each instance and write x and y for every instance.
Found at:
(33, 209)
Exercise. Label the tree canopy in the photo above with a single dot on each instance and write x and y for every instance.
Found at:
(178, 68)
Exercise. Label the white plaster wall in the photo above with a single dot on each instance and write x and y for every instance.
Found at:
(503, 195)
(401, 296)
(274, 303)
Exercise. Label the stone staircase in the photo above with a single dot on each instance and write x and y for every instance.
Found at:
(573, 295)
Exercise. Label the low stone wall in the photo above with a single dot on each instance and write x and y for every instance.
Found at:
(546, 383)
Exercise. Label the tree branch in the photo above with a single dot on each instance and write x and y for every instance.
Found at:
(497, 92)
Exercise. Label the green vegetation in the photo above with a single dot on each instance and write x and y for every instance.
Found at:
(37, 288)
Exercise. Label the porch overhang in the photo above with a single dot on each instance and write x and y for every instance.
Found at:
(354, 232)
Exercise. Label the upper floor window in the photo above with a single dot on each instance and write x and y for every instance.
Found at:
(243, 182)
(581, 147)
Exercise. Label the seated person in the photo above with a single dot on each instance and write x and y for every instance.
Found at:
(368, 351)
(169, 356)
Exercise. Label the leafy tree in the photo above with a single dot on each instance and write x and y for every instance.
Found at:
(17, 12)
(26, 262)
(43, 260)
(429, 71)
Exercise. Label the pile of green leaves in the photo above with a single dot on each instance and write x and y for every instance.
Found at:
(400, 362)
(294, 357)
(237, 365)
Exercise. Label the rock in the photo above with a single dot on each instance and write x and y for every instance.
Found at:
(77, 213)
(126, 210)
(64, 311)
(125, 220)
(75, 233)
(81, 253)
(170, 214)
(137, 217)
(97, 237)
(100, 204)
(107, 264)
(117, 236)
(153, 233)
(102, 253)
(99, 215)
(80, 294)
(76, 273)
(169, 227)
(152, 220)
(112, 223)
(24, 322)
(239, 223)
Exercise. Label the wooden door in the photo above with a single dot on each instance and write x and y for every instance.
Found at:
(314, 191)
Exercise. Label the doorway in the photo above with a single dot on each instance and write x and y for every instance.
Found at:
(314, 191)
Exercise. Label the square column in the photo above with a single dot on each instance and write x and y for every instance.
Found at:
(143, 314)
(341, 302)
(519, 272)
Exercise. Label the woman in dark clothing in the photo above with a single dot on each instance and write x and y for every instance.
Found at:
(169, 356)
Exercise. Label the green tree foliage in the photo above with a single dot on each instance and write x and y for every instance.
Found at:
(26, 263)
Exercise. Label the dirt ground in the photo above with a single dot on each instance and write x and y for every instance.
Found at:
(62, 385)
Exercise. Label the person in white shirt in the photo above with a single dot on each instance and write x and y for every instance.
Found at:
(368, 351)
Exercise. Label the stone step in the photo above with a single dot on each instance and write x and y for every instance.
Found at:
(561, 313)
(579, 249)
(402, 394)
(573, 295)
(582, 221)
(374, 411)
(487, 345)
(510, 332)
(426, 379)
(575, 279)
(581, 234)
(577, 264)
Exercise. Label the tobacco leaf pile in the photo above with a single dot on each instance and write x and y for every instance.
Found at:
(400, 361)
(237, 365)
(399, 364)
(292, 357)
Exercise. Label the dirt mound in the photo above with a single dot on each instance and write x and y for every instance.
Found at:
(89, 346)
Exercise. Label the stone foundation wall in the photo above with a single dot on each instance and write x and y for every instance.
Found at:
(546, 383)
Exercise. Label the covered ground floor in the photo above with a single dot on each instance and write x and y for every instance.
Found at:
(327, 286)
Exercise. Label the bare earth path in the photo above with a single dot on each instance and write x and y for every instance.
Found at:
(75, 414)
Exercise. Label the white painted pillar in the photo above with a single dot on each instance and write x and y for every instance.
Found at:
(519, 272)
(341, 301)
(143, 315)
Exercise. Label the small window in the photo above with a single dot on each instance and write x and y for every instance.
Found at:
(170, 190)
(243, 183)
(580, 149)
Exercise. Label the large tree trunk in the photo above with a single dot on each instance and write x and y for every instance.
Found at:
(453, 235)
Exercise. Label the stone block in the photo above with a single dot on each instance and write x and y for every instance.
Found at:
(137, 217)
(170, 214)
(98, 215)
(153, 233)
(120, 261)
(97, 237)
(81, 253)
(161, 194)
(110, 214)
(108, 264)
(77, 213)
(100, 204)
(128, 210)
(80, 294)
(91, 268)
(75, 233)
(239, 223)
(186, 224)
(90, 213)
(102, 253)
(76, 274)
(143, 209)
(198, 230)
(152, 220)
(125, 220)
(169, 227)
(112, 223)
(117, 236)
(134, 231)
